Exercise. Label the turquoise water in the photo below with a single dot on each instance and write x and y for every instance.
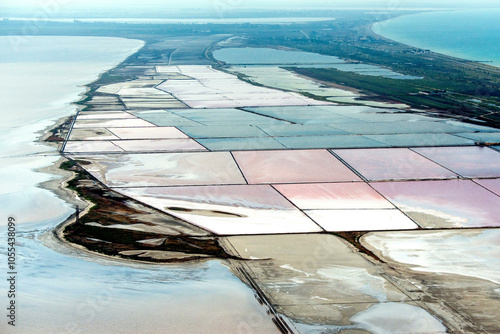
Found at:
(471, 34)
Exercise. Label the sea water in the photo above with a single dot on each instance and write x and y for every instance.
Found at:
(468, 34)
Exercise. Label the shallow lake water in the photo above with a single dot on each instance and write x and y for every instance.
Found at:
(62, 290)
(41, 76)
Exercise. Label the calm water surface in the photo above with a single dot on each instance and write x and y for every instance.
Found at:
(472, 34)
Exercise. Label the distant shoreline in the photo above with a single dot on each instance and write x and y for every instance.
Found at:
(254, 20)
(375, 29)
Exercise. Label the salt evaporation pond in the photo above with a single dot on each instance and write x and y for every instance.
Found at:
(274, 57)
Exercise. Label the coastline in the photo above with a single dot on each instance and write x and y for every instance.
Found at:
(389, 40)
(58, 186)
(38, 116)
(57, 234)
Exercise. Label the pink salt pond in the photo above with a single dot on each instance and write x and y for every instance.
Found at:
(354, 195)
(163, 169)
(492, 185)
(361, 220)
(467, 161)
(393, 164)
(293, 166)
(444, 204)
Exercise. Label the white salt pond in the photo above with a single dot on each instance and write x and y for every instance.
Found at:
(405, 318)
(226, 210)
(470, 253)
(223, 90)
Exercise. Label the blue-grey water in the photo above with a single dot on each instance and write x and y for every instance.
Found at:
(468, 34)
(60, 289)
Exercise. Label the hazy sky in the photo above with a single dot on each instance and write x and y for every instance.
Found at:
(124, 6)
(255, 3)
